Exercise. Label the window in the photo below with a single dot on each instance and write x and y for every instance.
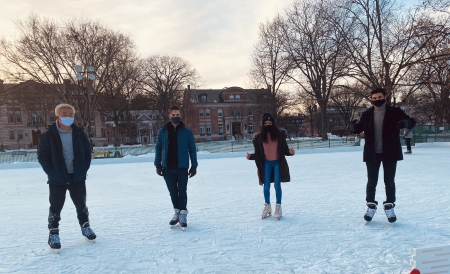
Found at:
(238, 97)
(231, 98)
(10, 118)
(201, 113)
(20, 134)
(16, 103)
(219, 112)
(203, 98)
(250, 128)
(208, 129)
(18, 118)
(220, 129)
(232, 112)
(120, 139)
(202, 130)
(11, 135)
(128, 139)
(207, 113)
(238, 112)
(228, 127)
(113, 138)
(250, 112)
(9, 103)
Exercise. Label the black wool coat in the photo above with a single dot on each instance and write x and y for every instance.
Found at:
(283, 151)
(392, 149)
(50, 155)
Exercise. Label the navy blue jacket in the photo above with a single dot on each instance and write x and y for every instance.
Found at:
(50, 155)
(392, 148)
(186, 147)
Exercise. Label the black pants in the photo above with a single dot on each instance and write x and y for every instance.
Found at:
(408, 144)
(373, 168)
(176, 181)
(57, 198)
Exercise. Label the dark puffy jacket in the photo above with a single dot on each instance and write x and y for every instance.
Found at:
(50, 155)
(186, 147)
(283, 150)
(392, 149)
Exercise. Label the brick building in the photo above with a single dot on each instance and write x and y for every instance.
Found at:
(223, 114)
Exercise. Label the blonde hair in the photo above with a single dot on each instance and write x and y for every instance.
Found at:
(60, 106)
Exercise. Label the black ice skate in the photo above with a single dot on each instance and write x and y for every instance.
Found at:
(371, 209)
(53, 239)
(87, 232)
(389, 210)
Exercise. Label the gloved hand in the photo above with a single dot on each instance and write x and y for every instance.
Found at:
(159, 170)
(351, 127)
(192, 171)
(403, 124)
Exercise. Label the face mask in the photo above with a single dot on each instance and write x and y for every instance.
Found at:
(268, 128)
(378, 103)
(67, 121)
(175, 120)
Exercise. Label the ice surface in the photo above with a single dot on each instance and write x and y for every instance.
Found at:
(322, 229)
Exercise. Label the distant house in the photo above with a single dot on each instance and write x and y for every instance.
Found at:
(223, 114)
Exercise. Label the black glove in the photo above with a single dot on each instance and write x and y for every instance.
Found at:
(403, 124)
(159, 170)
(192, 171)
(351, 127)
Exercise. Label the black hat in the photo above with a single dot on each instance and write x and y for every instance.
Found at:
(268, 117)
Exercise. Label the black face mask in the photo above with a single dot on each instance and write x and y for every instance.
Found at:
(269, 128)
(175, 120)
(378, 103)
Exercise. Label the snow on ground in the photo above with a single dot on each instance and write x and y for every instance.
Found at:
(322, 230)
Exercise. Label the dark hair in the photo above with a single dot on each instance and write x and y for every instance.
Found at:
(173, 108)
(378, 90)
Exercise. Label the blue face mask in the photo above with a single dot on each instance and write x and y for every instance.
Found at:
(67, 121)
(175, 120)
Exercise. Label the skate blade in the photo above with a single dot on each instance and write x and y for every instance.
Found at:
(268, 215)
(172, 226)
(278, 218)
(53, 250)
(92, 241)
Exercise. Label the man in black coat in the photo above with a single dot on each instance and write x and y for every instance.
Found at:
(381, 125)
(64, 153)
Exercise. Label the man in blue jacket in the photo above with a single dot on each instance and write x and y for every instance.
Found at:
(381, 125)
(174, 147)
(64, 153)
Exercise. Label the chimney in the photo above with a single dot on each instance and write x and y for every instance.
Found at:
(269, 87)
(2, 87)
(189, 87)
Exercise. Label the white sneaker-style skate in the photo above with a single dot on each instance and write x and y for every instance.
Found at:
(267, 211)
(278, 212)
(389, 210)
(371, 209)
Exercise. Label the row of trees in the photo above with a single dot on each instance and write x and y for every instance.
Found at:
(45, 52)
(326, 54)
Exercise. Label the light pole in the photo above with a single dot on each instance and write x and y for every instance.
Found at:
(90, 71)
(331, 120)
(115, 141)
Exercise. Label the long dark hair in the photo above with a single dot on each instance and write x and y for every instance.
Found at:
(273, 132)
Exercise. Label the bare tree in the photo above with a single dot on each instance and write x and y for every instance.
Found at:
(271, 68)
(385, 42)
(315, 47)
(165, 78)
(346, 100)
(46, 52)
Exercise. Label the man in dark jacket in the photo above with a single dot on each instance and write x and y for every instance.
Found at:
(174, 147)
(381, 125)
(64, 153)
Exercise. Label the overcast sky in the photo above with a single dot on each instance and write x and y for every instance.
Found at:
(215, 36)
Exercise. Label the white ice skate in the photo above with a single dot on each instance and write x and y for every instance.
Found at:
(278, 212)
(267, 211)
(371, 209)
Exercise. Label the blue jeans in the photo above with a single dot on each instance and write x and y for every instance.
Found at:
(270, 166)
(176, 181)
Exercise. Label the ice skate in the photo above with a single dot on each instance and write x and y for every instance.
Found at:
(87, 232)
(389, 210)
(175, 218)
(267, 211)
(183, 219)
(53, 239)
(371, 209)
(278, 212)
